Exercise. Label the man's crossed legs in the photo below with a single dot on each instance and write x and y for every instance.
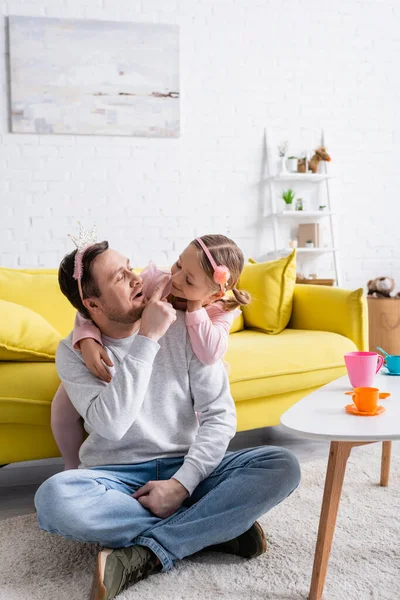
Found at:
(95, 505)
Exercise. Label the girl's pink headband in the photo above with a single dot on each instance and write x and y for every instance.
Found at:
(221, 272)
(85, 239)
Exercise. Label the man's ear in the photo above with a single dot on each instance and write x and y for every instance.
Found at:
(92, 305)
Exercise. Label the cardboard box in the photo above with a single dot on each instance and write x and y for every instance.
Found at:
(384, 324)
(308, 231)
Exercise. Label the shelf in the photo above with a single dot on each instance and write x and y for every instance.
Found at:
(312, 250)
(303, 250)
(300, 214)
(315, 281)
(313, 177)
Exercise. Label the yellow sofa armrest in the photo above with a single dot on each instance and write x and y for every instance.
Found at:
(324, 308)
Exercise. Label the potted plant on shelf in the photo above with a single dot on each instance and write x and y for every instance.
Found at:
(309, 244)
(322, 207)
(288, 198)
(299, 204)
(292, 164)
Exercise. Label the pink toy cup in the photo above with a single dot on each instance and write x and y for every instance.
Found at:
(362, 367)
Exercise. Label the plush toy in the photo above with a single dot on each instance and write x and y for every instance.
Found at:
(313, 163)
(381, 287)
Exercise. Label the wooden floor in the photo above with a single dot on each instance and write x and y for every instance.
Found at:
(19, 481)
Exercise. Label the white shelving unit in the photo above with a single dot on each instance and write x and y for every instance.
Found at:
(301, 214)
(309, 177)
(309, 250)
(310, 216)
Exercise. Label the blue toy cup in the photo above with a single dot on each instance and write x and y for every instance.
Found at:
(393, 364)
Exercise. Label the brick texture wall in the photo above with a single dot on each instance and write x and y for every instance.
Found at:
(290, 66)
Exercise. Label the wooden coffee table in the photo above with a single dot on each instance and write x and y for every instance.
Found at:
(321, 415)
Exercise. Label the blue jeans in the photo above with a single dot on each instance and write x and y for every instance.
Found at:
(95, 505)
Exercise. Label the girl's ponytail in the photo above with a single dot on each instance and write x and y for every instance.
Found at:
(239, 298)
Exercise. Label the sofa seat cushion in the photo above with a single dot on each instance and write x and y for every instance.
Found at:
(26, 392)
(264, 365)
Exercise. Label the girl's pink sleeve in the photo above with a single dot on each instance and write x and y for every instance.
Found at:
(84, 328)
(208, 332)
(151, 278)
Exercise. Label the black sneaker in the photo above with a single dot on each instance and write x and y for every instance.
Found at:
(249, 544)
(119, 568)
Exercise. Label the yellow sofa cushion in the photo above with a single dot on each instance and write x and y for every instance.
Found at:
(26, 392)
(238, 324)
(271, 285)
(39, 291)
(25, 335)
(263, 365)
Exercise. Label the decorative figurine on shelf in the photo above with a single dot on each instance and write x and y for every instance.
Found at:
(282, 150)
(320, 154)
(313, 163)
(302, 164)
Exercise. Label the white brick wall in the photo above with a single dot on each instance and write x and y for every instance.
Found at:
(291, 66)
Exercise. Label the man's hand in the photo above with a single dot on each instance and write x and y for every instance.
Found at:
(158, 315)
(162, 498)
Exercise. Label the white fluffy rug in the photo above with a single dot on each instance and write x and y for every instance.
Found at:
(364, 563)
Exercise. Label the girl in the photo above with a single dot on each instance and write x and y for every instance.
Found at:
(205, 271)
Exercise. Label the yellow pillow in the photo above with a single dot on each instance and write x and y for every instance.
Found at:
(25, 335)
(238, 324)
(38, 290)
(271, 285)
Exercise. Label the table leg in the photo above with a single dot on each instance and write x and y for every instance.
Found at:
(385, 463)
(338, 455)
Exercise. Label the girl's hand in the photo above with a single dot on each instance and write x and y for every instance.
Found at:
(95, 356)
(193, 305)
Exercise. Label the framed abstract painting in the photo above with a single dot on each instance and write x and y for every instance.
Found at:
(94, 77)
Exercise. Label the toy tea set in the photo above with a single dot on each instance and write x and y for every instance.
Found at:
(362, 368)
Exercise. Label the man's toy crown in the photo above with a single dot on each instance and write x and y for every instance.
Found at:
(85, 237)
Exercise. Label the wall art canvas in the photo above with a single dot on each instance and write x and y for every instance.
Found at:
(94, 77)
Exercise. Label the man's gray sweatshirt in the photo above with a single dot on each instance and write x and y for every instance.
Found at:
(148, 410)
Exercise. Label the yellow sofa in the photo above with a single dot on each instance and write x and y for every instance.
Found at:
(268, 373)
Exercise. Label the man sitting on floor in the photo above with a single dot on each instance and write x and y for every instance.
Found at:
(156, 482)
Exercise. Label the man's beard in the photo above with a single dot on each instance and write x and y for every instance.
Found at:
(128, 318)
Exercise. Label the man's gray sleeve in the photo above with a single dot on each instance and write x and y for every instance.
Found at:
(108, 408)
(217, 416)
